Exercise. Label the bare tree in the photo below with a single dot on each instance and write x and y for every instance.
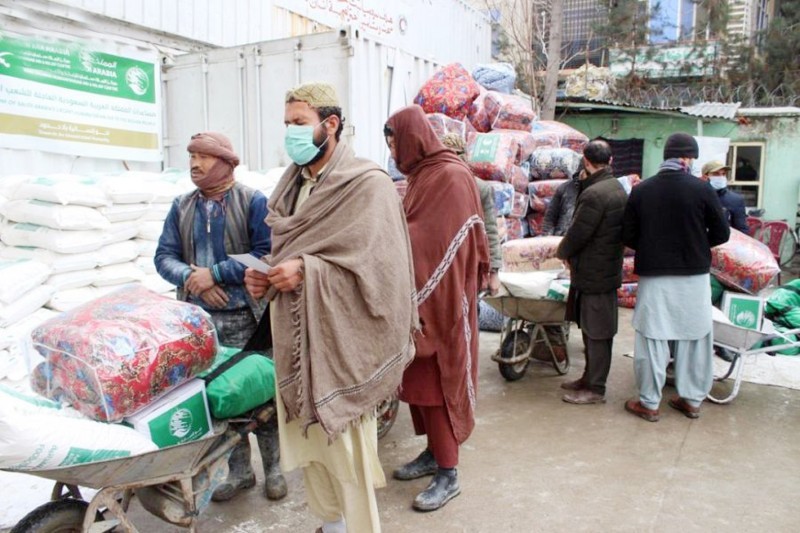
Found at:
(533, 31)
(553, 61)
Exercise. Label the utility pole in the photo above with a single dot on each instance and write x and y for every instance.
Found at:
(553, 60)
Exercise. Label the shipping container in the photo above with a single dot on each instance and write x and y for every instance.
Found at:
(240, 91)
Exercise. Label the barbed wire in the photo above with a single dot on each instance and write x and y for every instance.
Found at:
(671, 96)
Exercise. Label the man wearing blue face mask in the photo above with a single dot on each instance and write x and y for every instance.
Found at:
(716, 174)
(341, 289)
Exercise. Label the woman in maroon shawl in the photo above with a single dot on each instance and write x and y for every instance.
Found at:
(450, 251)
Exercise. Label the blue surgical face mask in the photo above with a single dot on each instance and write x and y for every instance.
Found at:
(718, 182)
(299, 143)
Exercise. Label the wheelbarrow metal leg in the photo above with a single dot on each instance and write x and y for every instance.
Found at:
(736, 368)
(107, 498)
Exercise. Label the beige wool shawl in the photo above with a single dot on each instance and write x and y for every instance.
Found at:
(343, 338)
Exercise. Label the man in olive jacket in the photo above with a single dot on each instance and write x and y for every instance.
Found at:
(593, 248)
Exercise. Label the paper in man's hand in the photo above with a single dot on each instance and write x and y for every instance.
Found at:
(251, 262)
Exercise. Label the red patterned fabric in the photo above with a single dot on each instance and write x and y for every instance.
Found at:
(626, 295)
(450, 91)
(514, 229)
(520, 180)
(112, 356)
(627, 270)
(535, 221)
(510, 112)
(526, 255)
(442, 125)
(492, 156)
(544, 188)
(552, 134)
(744, 263)
(527, 143)
(477, 115)
(519, 207)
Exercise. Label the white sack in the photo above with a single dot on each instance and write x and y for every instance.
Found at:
(40, 439)
(133, 187)
(124, 212)
(147, 247)
(57, 262)
(146, 265)
(158, 211)
(64, 242)
(120, 252)
(73, 280)
(156, 283)
(25, 305)
(150, 230)
(118, 274)
(65, 189)
(68, 299)
(533, 285)
(18, 276)
(56, 216)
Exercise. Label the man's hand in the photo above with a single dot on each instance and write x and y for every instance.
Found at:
(287, 275)
(494, 283)
(215, 297)
(256, 283)
(199, 281)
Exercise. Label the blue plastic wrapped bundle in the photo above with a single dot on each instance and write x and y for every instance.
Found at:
(499, 77)
(503, 197)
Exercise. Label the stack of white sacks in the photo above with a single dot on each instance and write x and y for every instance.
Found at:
(67, 239)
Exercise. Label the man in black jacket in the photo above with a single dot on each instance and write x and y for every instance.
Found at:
(673, 220)
(716, 174)
(561, 208)
(593, 248)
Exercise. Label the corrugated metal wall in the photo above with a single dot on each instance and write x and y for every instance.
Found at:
(442, 30)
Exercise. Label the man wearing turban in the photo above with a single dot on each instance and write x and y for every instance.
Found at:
(203, 228)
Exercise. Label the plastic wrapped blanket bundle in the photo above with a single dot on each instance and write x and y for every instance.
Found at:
(117, 353)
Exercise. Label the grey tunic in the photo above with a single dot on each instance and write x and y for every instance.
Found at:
(673, 307)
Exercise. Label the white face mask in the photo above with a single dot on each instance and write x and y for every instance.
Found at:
(718, 182)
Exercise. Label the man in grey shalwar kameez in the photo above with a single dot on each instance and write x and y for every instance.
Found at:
(673, 220)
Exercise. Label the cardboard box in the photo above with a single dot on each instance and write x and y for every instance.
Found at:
(181, 415)
(743, 310)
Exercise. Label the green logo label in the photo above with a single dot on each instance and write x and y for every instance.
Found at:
(485, 148)
(180, 423)
(74, 66)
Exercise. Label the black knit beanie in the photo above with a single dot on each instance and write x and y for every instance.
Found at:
(681, 145)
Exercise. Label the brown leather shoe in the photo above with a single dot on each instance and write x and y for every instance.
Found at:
(583, 397)
(635, 407)
(576, 385)
(676, 402)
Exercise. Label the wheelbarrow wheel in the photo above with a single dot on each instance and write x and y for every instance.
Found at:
(60, 516)
(515, 343)
(386, 415)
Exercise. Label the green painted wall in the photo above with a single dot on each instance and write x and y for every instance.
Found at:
(781, 136)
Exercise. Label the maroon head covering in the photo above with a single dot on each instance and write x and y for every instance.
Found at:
(416, 144)
(219, 178)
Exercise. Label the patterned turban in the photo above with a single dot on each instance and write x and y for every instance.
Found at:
(314, 94)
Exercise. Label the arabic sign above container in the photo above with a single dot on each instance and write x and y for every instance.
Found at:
(71, 98)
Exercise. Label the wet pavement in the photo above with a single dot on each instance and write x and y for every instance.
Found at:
(537, 464)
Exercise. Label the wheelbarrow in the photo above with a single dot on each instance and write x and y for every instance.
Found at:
(742, 343)
(173, 483)
(535, 330)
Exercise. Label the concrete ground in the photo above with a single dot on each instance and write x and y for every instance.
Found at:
(537, 464)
